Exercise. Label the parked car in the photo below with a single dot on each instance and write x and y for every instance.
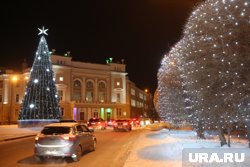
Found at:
(135, 121)
(145, 121)
(110, 122)
(122, 124)
(97, 123)
(68, 139)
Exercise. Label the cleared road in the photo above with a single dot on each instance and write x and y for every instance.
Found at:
(112, 150)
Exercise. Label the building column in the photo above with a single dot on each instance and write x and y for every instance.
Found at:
(83, 91)
(96, 90)
(108, 90)
(114, 113)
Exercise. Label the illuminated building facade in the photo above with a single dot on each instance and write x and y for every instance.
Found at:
(85, 90)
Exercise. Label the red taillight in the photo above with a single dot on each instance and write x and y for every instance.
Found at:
(70, 138)
(125, 123)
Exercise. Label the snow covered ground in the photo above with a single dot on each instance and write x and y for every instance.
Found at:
(164, 148)
(161, 148)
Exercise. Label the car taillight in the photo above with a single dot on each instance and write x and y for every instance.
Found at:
(37, 138)
(69, 137)
(125, 123)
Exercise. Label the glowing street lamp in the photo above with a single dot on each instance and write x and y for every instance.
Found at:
(14, 78)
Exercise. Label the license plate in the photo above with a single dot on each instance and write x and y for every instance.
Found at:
(51, 152)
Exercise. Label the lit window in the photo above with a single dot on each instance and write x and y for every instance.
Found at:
(133, 102)
(89, 91)
(61, 78)
(132, 92)
(138, 104)
(141, 95)
(89, 96)
(101, 97)
(77, 90)
(102, 92)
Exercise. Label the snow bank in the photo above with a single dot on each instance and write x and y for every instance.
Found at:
(164, 147)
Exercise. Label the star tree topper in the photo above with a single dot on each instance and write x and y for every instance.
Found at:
(42, 31)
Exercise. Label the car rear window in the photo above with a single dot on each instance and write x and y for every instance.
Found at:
(55, 130)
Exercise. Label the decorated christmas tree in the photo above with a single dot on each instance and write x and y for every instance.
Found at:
(40, 103)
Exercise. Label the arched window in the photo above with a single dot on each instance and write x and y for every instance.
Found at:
(77, 90)
(102, 92)
(89, 91)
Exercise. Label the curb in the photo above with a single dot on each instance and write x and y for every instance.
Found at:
(15, 138)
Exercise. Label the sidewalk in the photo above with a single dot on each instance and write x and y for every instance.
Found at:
(12, 132)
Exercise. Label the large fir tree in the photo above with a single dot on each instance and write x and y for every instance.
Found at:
(214, 66)
(170, 96)
(40, 102)
(218, 58)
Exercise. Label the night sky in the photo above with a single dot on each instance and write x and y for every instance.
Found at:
(138, 31)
